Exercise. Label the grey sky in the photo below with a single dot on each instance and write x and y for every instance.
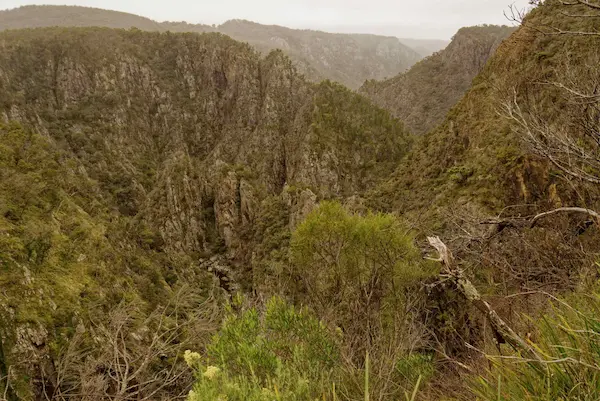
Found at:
(404, 18)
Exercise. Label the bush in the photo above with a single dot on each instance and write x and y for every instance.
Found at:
(284, 353)
(358, 266)
(362, 273)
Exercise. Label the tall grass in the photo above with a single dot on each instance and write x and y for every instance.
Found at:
(569, 341)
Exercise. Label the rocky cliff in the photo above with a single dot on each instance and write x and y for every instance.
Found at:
(347, 58)
(171, 150)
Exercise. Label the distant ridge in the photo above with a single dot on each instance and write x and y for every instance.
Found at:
(349, 59)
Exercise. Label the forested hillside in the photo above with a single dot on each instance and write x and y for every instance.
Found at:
(184, 217)
(49, 16)
(422, 96)
(348, 59)
(144, 161)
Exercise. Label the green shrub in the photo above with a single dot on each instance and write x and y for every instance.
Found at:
(358, 266)
(283, 353)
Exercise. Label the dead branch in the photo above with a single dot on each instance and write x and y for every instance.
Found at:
(523, 222)
(582, 3)
(566, 210)
(468, 290)
(133, 356)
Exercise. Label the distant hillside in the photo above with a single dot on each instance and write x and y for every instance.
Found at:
(45, 16)
(348, 59)
(422, 96)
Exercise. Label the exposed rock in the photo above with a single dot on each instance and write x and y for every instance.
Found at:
(300, 203)
(223, 273)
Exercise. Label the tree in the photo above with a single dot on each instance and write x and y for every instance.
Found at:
(363, 274)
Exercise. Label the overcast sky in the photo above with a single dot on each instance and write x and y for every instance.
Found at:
(438, 19)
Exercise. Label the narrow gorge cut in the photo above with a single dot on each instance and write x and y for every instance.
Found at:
(168, 152)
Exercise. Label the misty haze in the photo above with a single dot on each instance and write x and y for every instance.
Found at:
(334, 200)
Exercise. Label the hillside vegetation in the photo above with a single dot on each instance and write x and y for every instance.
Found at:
(162, 158)
(345, 58)
(184, 217)
(422, 96)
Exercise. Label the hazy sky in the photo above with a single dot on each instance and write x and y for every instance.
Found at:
(407, 18)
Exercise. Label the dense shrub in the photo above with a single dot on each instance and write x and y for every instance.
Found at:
(359, 266)
(282, 353)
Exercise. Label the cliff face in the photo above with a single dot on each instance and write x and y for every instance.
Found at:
(348, 59)
(136, 106)
(423, 96)
(179, 145)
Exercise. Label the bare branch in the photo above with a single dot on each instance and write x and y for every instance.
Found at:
(581, 2)
(566, 210)
(576, 154)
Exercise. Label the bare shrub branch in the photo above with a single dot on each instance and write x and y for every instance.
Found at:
(129, 356)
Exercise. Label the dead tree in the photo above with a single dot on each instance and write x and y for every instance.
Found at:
(502, 330)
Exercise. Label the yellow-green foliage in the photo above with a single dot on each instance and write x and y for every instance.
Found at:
(362, 272)
(342, 257)
(356, 246)
(62, 256)
(42, 231)
(283, 353)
